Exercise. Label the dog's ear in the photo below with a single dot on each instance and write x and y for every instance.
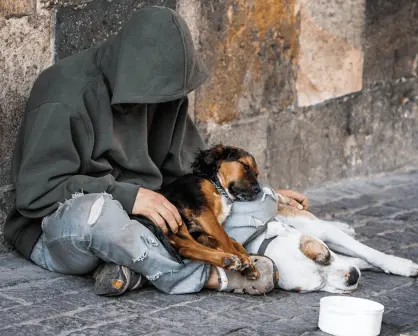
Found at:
(206, 162)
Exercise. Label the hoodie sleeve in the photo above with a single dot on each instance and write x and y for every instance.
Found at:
(47, 165)
(185, 142)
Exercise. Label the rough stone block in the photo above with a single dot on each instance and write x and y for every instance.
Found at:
(391, 47)
(373, 133)
(17, 7)
(24, 52)
(251, 49)
(330, 59)
(48, 4)
(79, 29)
(6, 201)
(251, 136)
(306, 148)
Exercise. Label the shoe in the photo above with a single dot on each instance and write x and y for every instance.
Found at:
(234, 282)
(114, 280)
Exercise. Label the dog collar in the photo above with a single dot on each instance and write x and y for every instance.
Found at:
(222, 191)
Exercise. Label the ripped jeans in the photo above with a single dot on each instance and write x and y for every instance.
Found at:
(93, 227)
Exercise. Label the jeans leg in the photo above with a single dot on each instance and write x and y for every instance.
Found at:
(91, 227)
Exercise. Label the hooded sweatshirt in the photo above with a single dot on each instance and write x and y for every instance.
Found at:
(111, 119)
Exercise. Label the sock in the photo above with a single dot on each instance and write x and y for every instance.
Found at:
(222, 279)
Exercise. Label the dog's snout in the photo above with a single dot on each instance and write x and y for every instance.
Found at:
(256, 188)
(352, 276)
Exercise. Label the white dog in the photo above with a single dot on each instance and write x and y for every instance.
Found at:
(317, 255)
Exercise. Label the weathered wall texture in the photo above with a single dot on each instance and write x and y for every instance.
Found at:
(25, 50)
(316, 90)
(331, 49)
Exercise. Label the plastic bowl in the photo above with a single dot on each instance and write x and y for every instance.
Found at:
(348, 316)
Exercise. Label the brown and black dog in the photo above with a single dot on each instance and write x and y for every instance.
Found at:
(221, 175)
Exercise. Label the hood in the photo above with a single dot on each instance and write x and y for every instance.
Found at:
(152, 59)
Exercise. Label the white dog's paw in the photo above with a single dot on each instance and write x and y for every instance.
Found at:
(399, 266)
(346, 228)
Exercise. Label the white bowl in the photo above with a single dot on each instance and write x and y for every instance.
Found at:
(348, 316)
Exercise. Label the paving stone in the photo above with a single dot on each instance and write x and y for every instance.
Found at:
(380, 243)
(133, 326)
(408, 216)
(410, 253)
(30, 329)
(401, 239)
(379, 211)
(295, 326)
(404, 203)
(402, 317)
(218, 325)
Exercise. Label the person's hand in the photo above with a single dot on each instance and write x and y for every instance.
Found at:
(158, 209)
(294, 199)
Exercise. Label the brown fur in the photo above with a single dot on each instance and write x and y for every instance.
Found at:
(314, 250)
(290, 211)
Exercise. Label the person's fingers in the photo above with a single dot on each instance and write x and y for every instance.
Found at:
(159, 221)
(174, 211)
(295, 204)
(305, 203)
(300, 198)
(169, 218)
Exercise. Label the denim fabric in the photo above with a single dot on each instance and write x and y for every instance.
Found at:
(93, 227)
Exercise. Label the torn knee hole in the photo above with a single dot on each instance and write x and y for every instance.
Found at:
(96, 210)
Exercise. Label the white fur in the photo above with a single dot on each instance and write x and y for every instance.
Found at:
(298, 272)
(226, 209)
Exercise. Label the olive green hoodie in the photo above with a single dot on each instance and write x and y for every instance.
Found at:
(109, 119)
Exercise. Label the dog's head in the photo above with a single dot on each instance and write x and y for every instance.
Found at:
(234, 168)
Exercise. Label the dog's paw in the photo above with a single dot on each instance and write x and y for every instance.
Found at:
(246, 262)
(251, 273)
(399, 266)
(232, 263)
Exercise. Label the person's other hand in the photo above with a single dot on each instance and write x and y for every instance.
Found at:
(158, 209)
(294, 199)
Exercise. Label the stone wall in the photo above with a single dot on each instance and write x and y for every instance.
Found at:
(316, 90)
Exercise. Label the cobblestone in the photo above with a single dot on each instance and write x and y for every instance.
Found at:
(37, 302)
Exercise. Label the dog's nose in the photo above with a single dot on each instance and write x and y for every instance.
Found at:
(352, 276)
(256, 188)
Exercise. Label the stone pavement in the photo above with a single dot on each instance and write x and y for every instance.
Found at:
(383, 209)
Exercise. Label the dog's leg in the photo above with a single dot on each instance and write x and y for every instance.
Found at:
(250, 272)
(344, 227)
(190, 248)
(363, 265)
(343, 243)
(209, 224)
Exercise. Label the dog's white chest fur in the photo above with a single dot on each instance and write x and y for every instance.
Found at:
(225, 210)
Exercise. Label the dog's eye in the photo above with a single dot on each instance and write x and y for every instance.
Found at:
(247, 167)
